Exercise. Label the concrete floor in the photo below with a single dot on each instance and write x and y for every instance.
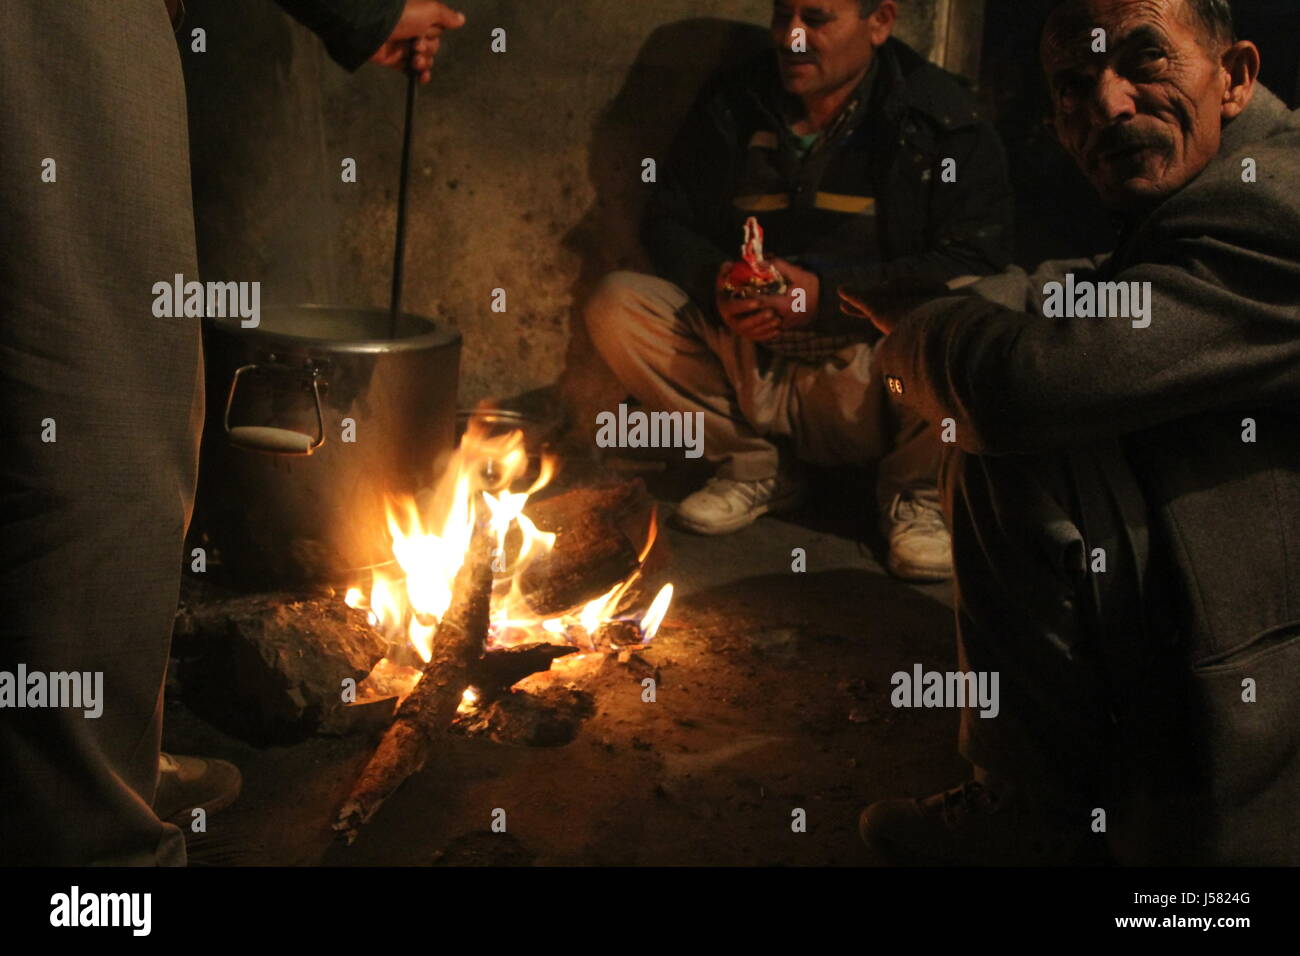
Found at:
(773, 697)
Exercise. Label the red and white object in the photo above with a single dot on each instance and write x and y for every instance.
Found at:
(753, 275)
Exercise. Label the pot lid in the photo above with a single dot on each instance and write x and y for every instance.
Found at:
(340, 329)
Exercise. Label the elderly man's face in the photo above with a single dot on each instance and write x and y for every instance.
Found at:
(1143, 118)
(838, 42)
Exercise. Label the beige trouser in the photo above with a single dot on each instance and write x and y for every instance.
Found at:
(672, 357)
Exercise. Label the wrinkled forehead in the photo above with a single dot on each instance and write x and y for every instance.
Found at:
(1069, 33)
(822, 8)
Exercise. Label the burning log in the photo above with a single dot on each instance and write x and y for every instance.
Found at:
(429, 709)
(567, 579)
(591, 554)
(616, 634)
(562, 511)
(500, 668)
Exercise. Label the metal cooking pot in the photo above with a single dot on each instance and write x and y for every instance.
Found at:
(313, 419)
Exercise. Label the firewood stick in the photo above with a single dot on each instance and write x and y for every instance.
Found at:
(429, 709)
(497, 670)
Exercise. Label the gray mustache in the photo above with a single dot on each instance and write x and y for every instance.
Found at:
(1116, 139)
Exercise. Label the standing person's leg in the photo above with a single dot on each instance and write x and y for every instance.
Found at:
(100, 409)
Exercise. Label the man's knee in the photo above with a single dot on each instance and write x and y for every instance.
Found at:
(631, 310)
(608, 309)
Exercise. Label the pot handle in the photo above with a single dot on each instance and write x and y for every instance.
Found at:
(274, 441)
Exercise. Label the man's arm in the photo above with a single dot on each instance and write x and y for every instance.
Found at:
(1224, 332)
(355, 31)
(969, 226)
(352, 30)
(1023, 292)
(675, 229)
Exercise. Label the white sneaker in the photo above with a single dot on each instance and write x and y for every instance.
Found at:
(724, 505)
(920, 548)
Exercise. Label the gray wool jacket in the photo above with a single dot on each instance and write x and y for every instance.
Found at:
(1193, 422)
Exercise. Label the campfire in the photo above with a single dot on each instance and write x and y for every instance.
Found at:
(430, 537)
(481, 593)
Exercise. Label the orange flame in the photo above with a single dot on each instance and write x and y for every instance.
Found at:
(430, 536)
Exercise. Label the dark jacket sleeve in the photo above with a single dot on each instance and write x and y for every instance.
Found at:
(682, 208)
(1224, 333)
(969, 222)
(352, 30)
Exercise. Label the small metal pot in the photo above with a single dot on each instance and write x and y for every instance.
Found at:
(314, 418)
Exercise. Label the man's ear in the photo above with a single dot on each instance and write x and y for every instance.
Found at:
(1241, 69)
(882, 21)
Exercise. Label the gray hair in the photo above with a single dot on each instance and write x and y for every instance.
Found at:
(1215, 17)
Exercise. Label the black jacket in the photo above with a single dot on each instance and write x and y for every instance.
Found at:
(352, 30)
(915, 117)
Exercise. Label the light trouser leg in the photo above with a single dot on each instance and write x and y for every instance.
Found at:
(840, 414)
(669, 355)
(100, 407)
(1019, 564)
(661, 347)
(911, 464)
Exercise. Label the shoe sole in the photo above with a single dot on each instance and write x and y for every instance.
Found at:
(774, 506)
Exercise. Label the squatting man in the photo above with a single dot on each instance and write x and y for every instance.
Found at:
(1150, 713)
(833, 142)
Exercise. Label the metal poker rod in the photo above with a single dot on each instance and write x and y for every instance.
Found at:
(399, 244)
